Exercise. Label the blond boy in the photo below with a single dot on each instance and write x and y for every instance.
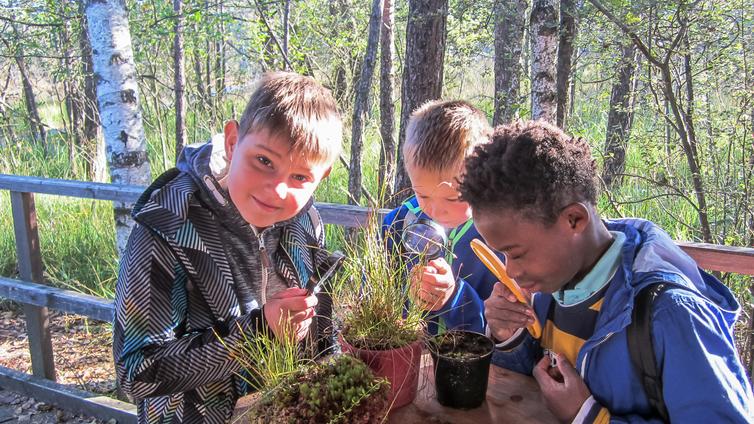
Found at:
(452, 288)
(222, 246)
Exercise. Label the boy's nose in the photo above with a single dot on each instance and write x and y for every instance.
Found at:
(514, 271)
(434, 212)
(281, 190)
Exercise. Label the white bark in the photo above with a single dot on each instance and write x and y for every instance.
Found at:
(544, 48)
(118, 100)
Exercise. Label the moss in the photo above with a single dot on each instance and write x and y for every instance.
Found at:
(341, 389)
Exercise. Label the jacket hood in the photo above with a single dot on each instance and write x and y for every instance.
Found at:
(650, 256)
(202, 159)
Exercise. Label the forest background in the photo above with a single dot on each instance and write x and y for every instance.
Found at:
(662, 90)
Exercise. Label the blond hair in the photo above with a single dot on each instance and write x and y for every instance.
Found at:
(299, 109)
(441, 134)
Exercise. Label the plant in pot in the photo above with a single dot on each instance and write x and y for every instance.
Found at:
(377, 321)
(288, 388)
(461, 365)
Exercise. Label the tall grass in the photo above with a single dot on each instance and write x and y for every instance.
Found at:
(77, 235)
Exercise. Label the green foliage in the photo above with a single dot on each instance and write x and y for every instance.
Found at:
(268, 360)
(371, 299)
(341, 389)
(77, 239)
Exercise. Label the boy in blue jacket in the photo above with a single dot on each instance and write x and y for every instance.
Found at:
(533, 193)
(452, 288)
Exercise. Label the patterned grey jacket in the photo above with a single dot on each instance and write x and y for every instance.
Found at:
(179, 320)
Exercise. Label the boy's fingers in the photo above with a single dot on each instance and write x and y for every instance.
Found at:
(298, 303)
(501, 290)
(302, 316)
(504, 306)
(441, 265)
(540, 369)
(289, 292)
(566, 369)
(436, 280)
(508, 321)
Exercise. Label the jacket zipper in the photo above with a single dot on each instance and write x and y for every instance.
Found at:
(266, 262)
(583, 361)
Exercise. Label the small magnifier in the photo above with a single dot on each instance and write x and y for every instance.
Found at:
(326, 270)
(425, 237)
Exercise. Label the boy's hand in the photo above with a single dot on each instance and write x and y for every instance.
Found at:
(289, 313)
(562, 387)
(433, 285)
(505, 314)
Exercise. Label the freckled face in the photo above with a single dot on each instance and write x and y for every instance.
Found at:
(438, 196)
(540, 257)
(266, 183)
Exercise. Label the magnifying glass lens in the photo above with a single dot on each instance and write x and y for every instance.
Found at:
(424, 238)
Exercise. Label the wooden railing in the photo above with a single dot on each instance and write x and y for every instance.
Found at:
(38, 298)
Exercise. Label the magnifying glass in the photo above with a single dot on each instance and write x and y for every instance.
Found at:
(425, 237)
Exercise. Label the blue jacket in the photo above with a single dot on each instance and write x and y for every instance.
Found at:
(465, 310)
(692, 329)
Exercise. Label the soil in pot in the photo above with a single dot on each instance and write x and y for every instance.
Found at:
(462, 365)
(400, 366)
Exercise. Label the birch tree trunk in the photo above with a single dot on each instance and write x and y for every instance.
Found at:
(423, 68)
(362, 102)
(567, 35)
(510, 22)
(544, 46)
(386, 177)
(180, 79)
(118, 99)
(619, 117)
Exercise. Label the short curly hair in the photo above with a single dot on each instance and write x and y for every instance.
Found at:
(531, 167)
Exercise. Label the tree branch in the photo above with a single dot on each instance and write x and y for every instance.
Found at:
(626, 30)
(272, 35)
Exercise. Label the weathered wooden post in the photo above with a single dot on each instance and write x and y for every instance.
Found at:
(30, 269)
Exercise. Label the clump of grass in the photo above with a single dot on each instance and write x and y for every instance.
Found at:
(268, 360)
(371, 299)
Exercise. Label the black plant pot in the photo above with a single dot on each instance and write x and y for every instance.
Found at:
(462, 368)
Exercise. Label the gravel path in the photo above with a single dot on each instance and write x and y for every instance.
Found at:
(83, 359)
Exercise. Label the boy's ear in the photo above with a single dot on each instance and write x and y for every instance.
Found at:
(327, 173)
(576, 217)
(231, 138)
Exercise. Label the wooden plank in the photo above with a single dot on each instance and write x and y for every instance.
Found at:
(332, 213)
(711, 257)
(715, 257)
(30, 269)
(348, 215)
(87, 190)
(58, 299)
(68, 398)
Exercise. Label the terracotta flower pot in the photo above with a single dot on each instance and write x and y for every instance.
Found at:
(399, 366)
